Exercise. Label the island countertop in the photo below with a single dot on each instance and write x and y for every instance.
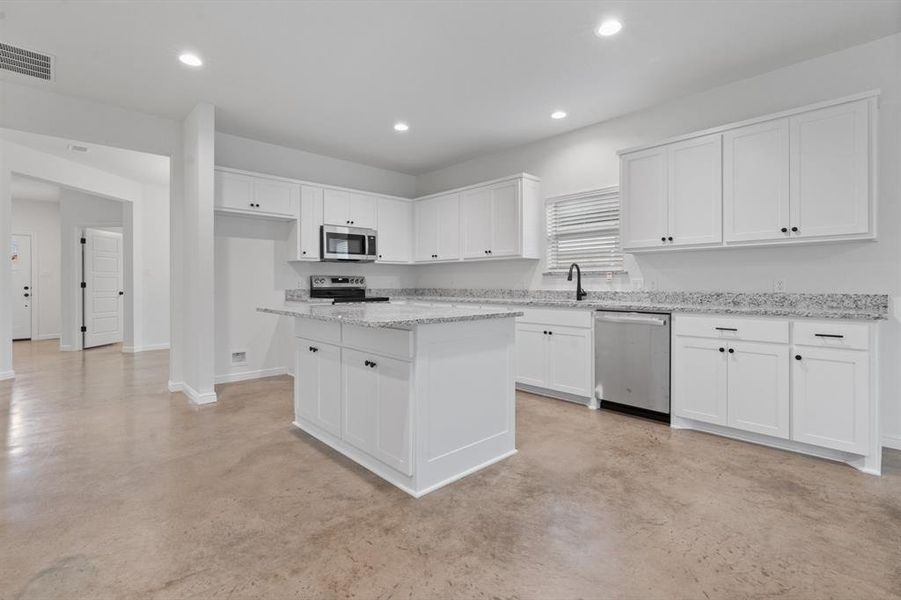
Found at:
(387, 314)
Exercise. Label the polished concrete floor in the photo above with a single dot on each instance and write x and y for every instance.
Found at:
(113, 488)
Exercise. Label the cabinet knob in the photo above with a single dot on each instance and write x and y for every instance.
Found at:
(380, 255)
(795, 229)
(369, 364)
(722, 349)
(27, 294)
(797, 357)
(544, 332)
(304, 252)
(663, 239)
(731, 351)
(784, 230)
(669, 239)
(314, 349)
(550, 333)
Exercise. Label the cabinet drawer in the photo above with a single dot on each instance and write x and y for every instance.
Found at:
(324, 331)
(557, 316)
(826, 334)
(731, 328)
(380, 340)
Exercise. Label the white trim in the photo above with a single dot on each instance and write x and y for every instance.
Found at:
(473, 186)
(46, 336)
(193, 395)
(770, 117)
(555, 395)
(891, 441)
(68, 348)
(857, 461)
(304, 182)
(248, 375)
(4, 375)
(469, 471)
(147, 348)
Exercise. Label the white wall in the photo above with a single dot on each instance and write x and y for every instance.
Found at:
(152, 285)
(251, 155)
(41, 219)
(78, 210)
(586, 159)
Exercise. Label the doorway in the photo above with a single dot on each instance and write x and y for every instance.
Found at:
(102, 314)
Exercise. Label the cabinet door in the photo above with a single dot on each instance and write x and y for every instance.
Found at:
(233, 191)
(377, 407)
(831, 398)
(830, 171)
(425, 214)
(317, 385)
(644, 202)
(506, 225)
(755, 182)
(531, 354)
(475, 222)
(336, 207)
(362, 210)
(448, 227)
(699, 379)
(758, 388)
(569, 360)
(275, 197)
(395, 226)
(310, 222)
(695, 175)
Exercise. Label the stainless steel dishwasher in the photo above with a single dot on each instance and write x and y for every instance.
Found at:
(632, 362)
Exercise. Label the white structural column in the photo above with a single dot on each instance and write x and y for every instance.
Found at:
(192, 369)
(6, 309)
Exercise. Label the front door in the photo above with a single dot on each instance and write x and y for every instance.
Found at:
(22, 289)
(102, 287)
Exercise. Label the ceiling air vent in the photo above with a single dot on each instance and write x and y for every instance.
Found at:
(26, 62)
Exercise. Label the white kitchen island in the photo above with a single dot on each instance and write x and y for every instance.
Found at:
(420, 396)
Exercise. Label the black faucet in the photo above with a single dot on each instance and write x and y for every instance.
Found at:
(580, 293)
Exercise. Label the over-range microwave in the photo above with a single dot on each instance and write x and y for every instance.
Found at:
(340, 243)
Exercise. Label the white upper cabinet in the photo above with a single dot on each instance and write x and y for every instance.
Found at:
(243, 194)
(438, 228)
(830, 171)
(500, 219)
(755, 182)
(307, 231)
(695, 195)
(395, 230)
(802, 175)
(644, 203)
(353, 209)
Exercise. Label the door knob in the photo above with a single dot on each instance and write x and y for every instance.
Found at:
(27, 288)
(27, 294)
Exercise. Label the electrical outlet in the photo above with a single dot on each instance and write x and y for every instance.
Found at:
(778, 285)
(239, 357)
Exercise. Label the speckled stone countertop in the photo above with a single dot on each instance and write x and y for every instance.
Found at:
(865, 307)
(390, 315)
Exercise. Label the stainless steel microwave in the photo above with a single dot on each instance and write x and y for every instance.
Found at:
(340, 243)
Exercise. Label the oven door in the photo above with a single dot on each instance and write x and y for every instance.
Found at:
(347, 243)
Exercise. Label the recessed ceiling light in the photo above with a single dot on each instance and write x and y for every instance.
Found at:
(77, 148)
(609, 27)
(192, 60)
(558, 114)
(401, 126)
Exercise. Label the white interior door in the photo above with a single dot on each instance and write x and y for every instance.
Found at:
(103, 287)
(20, 251)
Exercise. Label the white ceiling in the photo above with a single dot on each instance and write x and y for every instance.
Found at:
(137, 166)
(469, 77)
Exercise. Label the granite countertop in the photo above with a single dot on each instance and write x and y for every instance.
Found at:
(390, 315)
(861, 307)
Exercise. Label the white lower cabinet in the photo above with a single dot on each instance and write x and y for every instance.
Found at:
(377, 407)
(830, 398)
(699, 380)
(804, 381)
(317, 385)
(554, 357)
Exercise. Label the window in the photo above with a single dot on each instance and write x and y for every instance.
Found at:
(584, 228)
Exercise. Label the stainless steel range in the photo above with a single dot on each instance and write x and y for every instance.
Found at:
(341, 289)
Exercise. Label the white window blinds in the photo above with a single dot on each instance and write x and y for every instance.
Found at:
(584, 228)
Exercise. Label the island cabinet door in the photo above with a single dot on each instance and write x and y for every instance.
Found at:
(377, 408)
(317, 385)
(699, 379)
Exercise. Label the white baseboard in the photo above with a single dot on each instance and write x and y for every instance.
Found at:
(146, 348)
(193, 395)
(46, 336)
(4, 375)
(891, 441)
(68, 348)
(247, 375)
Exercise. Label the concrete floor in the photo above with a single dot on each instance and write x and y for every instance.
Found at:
(112, 487)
